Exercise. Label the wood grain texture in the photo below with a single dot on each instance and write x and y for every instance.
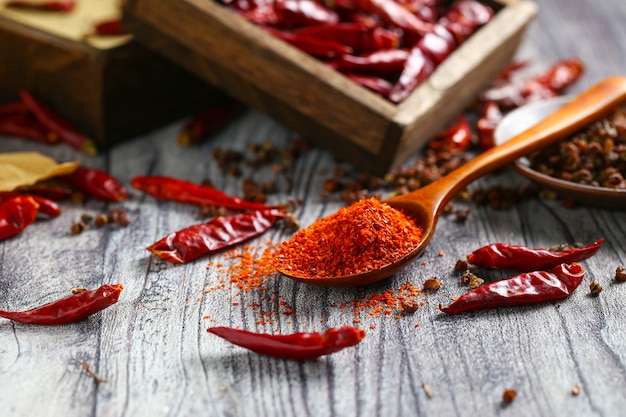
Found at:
(153, 349)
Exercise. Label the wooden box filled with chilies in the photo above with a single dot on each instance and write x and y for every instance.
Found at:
(371, 80)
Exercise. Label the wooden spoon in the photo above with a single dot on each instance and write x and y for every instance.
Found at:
(425, 204)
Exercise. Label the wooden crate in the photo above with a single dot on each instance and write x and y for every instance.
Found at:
(111, 89)
(316, 101)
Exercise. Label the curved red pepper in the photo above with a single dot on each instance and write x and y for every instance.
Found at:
(418, 67)
(297, 346)
(66, 132)
(376, 84)
(168, 188)
(51, 6)
(50, 191)
(222, 232)
(528, 288)
(360, 37)
(455, 138)
(112, 27)
(298, 13)
(382, 63)
(46, 206)
(16, 214)
(23, 126)
(320, 48)
(208, 122)
(521, 258)
(391, 12)
(486, 125)
(77, 307)
(96, 183)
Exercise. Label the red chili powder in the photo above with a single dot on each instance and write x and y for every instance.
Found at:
(362, 237)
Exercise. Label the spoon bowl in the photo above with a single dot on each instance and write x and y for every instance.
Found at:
(424, 206)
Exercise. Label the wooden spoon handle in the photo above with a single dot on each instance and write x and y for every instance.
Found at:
(589, 106)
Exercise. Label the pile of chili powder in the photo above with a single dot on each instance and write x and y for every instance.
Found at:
(364, 236)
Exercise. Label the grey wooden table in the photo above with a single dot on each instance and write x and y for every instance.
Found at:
(158, 360)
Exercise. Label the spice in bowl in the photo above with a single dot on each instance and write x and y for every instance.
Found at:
(596, 156)
(365, 236)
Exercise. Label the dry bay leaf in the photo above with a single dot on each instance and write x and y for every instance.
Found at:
(19, 169)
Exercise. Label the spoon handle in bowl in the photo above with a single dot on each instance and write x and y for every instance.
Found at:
(585, 108)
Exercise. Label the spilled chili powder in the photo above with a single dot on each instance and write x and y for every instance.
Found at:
(362, 237)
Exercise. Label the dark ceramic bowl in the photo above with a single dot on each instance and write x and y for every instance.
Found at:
(525, 117)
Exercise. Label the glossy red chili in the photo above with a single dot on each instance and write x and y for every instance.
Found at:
(455, 138)
(53, 192)
(391, 12)
(23, 126)
(551, 83)
(46, 206)
(16, 214)
(376, 84)
(359, 37)
(522, 258)
(208, 122)
(96, 183)
(222, 232)
(527, 288)
(418, 67)
(77, 307)
(111, 27)
(55, 123)
(320, 48)
(386, 63)
(297, 346)
(486, 125)
(168, 188)
(299, 13)
(52, 6)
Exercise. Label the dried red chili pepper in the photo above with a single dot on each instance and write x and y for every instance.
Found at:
(51, 6)
(66, 132)
(522, 258)
(299, 13)
(168, 188)
(418, 67)
(297, 346)
(77, 307)
(548, 84)
(21, 125)
(111, 27)
(12, 109)
(96, 183)
(16, 214)
(455, 138)
(360, 37)
(222, 232)
(391, 12)
(50, 191)
(486, 125)
(208, 122)
(383, 63)
(376, 84)
(46, 206)
(438, 44)
(320, 48)
(527, 288)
